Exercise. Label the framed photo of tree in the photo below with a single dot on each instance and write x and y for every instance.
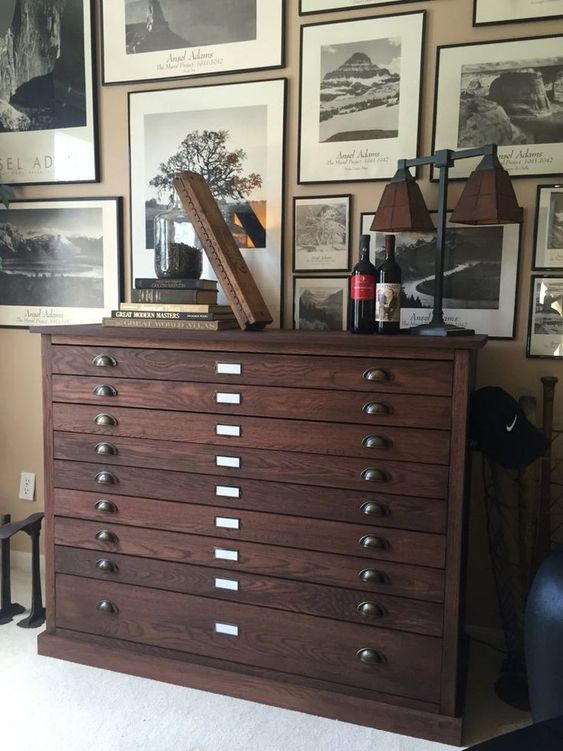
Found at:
(360, 97)
(48, 130)
(320, 303)
(322, 6)
(486, 12)
(545, 323)
(148, 40)
(548, 233)
(233, 135)
(321, 233)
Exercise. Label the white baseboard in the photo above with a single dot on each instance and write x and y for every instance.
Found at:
(21, 562)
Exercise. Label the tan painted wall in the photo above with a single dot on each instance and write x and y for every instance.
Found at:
(503, 362)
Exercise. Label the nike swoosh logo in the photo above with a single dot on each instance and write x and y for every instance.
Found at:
(509, 427)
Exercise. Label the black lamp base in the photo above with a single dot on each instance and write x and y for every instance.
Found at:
(439, 328)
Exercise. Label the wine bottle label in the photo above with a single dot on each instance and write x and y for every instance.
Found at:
(388, 302)
(362, 287)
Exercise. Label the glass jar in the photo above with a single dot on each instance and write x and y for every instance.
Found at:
(177, 248)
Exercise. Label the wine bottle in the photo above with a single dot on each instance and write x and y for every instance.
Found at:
(388, 291)
(362, 292)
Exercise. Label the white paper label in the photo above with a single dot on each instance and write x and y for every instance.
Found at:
(228, 430)
(225, 523)
(228, 368)
(221, 554)
(222, 398)
(227, 492)
(228, 461)
(231, 584)
(226, 628)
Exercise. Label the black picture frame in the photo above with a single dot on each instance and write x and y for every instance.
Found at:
(488, 4)
(361, 5)
(327, 320)
(320, 263)
(544, 230)
(545, 336)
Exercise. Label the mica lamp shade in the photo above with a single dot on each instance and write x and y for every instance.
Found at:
(402, 207)
(488, 196)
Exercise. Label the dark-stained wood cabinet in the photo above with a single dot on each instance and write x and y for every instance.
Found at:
(274, 515)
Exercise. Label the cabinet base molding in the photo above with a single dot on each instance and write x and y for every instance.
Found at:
(249, 684)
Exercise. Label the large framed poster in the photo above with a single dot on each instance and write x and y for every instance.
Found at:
(548, 230)
(231, 134)
(147, 40)
(508, 93)
(48, 131)
(360, 97)
(322, 6)
(509, 11)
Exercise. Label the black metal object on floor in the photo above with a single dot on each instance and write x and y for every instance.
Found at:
(8, 609)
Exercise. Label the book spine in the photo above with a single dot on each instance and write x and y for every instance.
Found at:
(145, 283)
(176, 307)
(159, 323)
(183, 296)
(163, 314)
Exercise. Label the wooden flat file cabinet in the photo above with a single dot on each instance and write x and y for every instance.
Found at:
(275, 515)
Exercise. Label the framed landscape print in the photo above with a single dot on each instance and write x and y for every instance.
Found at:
(509, 11)
(321, 233)
(545, 324)
(147, 40)
(231, 134)
(508, 93)
(60, 261)
(480, 280)
(360, 97)
(321, 6)
(548, 235)
(320, 303)
(48, 131)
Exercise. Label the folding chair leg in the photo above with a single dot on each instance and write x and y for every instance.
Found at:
(8, 609)
(37, 615)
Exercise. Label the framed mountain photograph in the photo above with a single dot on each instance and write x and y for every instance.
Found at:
(487, 12)
(148, 40)
(60, 261)
(320, 303)
(322, 6)
(321, 233)
(48, 131)
(548, 234)
(545, 322)
(360, 97)
(504, 92)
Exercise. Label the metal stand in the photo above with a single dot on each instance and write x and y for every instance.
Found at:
(8, 609)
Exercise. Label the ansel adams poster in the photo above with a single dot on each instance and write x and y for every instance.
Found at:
(320, 303)
(47, 131)
(321, 231)
(320, 6)
(549, 228)
(233, 136)
(545, 335)
(59, 261)
(508, 93)
(157, 39)
(509, 11)
(360, 86)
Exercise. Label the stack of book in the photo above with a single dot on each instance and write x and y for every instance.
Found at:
(174, 304)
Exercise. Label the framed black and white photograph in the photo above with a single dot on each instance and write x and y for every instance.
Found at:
(147, 40)
(548, 234)
(320, 303)
(321, 233)
(480, 279)
(360, 97)
(487, 12)
(545, 324)
(60, 261)
(231, 134)
(508, 93)
(322, 6)
(48, 129)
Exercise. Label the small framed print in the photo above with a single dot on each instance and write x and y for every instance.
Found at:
(323, 6)
(487, 12)
(320, 303)
(548, 235)
(321, 233)
(545, 324)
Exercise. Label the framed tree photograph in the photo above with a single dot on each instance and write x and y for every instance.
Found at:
(548, 232)
(48, 130)
(60, 261)
(487, 12)
(480, 279)
(545, 324)
(508, 93)
(148, 40)
(320, 303)
(321, 233)
(322, 6)
(233, 135)
(360, 97)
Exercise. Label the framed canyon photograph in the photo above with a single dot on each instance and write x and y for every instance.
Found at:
(233, 135)
(322, 6)
(148, 40)
(480, 279)
(548, 232)
(320, 303)
(487, 12)
(545, 322)
(48, 129)
(60, 261)
(321, 233)
(504, 92)
(360, 97)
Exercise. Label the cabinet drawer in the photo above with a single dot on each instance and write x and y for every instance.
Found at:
(371, 374)
(301, 644)
(267, 560)
(366, 540)
(284, 594)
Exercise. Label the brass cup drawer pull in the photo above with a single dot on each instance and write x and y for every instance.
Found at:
(376, 408)
(370, 508)
(106, 449)
(106, 478)
(104, 361)
(108, 607)
(104, 535)
(376, 442)
(109, 567)
(105, 419)
(105, 390)
(377, 374)
(370, 609)
(373, 542)
(372, 576)
(106, 507)
(375, 475)
(370, 656)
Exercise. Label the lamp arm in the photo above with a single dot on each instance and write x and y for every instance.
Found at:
(438, 313)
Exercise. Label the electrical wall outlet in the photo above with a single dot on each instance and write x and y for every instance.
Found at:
(27, 486)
